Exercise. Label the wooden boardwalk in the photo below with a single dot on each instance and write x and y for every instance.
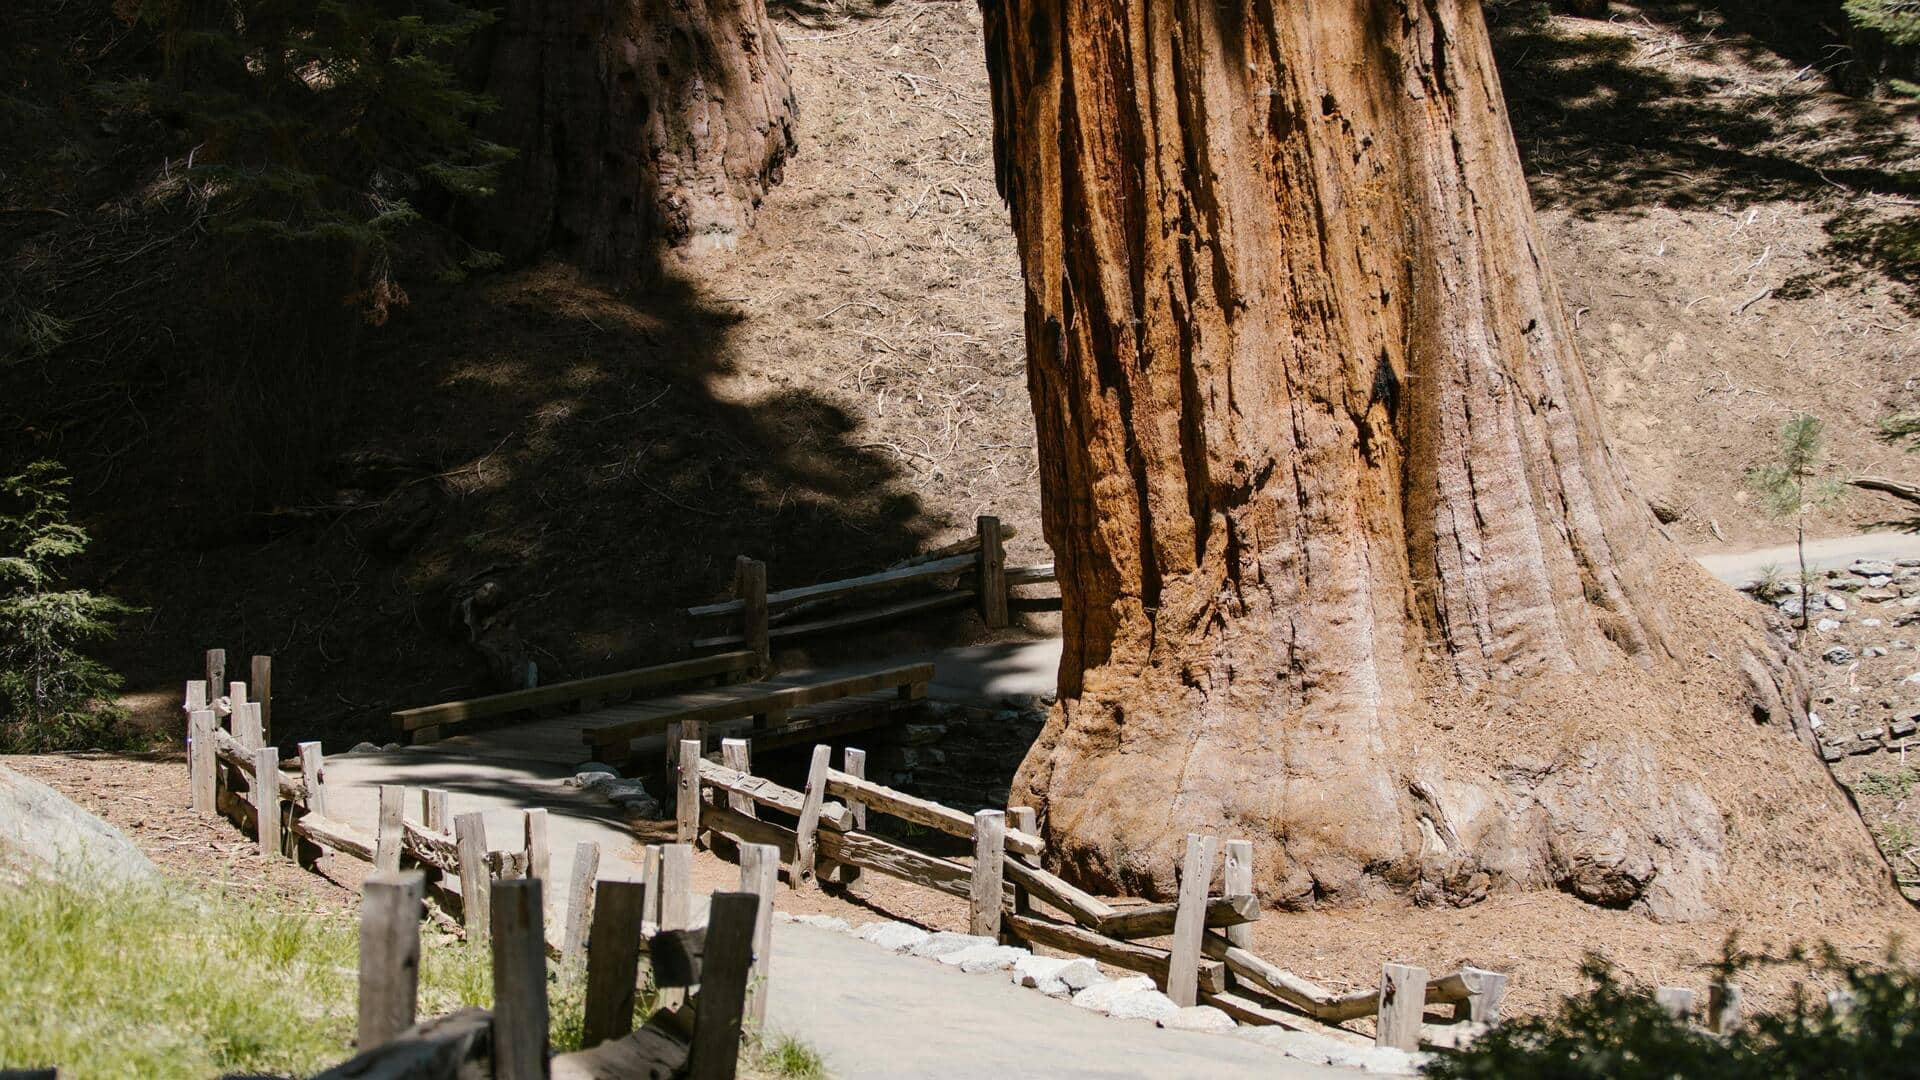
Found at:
(791, 707)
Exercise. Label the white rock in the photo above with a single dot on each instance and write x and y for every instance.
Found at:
(978, 958)
(1827, 626)
(896, 936)
(1143, 1005)
(1836, 603)
(824, 922)
(1031, 970)
(1199, 1018)
(1913, 678)
(1100, 998)
(946, 941)
(364, 748)
(1080, 974)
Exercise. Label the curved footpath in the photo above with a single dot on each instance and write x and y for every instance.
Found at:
(873, 1014)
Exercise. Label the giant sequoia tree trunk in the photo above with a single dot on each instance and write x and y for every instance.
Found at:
(637, 125)
(1346, 563)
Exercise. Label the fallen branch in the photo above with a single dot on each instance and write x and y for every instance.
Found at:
(1909, 492)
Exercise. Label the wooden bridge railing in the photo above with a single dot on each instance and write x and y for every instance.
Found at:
(758, 618)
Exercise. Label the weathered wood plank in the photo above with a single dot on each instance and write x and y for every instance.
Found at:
(390, 906)
(750, 585)
(313, 776)
(835, 590)
(266, 800)
(760, 875)
(460, 712)
(686, 802)
(675, 911)
(1210, 975)
(1237, 880)
(861, 617)
(1036, 574)
(336, 835)
(987, 890)
(1402, 1000)
(805, 833)
(613, 961)
(450, 1046)
(390, 840)
(886, 800)
(216, 670)
(992, 580)
(260, 678)
(519, 980)
(580, 900)
(1157, 920)
(759, 789)
(746, 701)
(240, 756)
(203, 764)
(1082, 906)
(1485, 991)
(725, 967)
(737, 755)
(470, 834)
(872, 853)
(744, 830)
(1190, 921)
(534, 832)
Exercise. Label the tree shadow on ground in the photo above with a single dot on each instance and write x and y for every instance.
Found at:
(538, 474)
(1688, 105)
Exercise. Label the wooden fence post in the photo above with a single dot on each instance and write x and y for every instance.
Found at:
(390, 835)
(1237, 880)
(389, 955)
(1403, 998)
(519, 979)
(216, 670)
(1190, 921)
(750, 586)
(686, 801)
(580, 900)
(613, 961)
(196, 696)
(737, 754)
(1677, 1000)
(434, 811)
(675, 911)
(809, 824)
(313, 773)
(260, 677)
(203, 765)
(760, 875)
(539, 859)
(1485, 991)
(854, 763)
(470, 840)
(266, 800)
(1724, 1007)
(650, 870)
(715, 1053)
(989, 857)
(238, 714)
(1025, 819)
(993, 573)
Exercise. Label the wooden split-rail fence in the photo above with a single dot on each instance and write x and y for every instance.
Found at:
(756, 619)
(1208, 958)
(705, 979)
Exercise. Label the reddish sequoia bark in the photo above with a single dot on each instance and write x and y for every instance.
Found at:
(1347, 566)
(638, 124)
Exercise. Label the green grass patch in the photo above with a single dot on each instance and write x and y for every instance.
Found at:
(166, 981)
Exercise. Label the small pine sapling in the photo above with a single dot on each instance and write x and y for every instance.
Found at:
(1789, 489)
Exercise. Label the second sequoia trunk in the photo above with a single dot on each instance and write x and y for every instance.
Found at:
(637, 125)
(1347, 567)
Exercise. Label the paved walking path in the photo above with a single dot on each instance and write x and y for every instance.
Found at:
(873, 1015)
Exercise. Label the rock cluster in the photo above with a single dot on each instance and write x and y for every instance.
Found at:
(1867, 696)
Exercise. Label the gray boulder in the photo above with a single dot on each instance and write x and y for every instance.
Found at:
(894, 936)
(1199, 1018)
(46, 834)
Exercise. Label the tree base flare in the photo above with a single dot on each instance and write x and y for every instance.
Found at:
(1682, 790)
